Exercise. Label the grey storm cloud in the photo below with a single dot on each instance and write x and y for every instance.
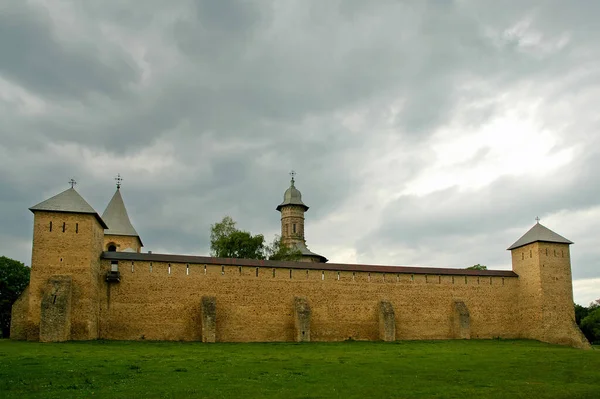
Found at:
(204, 107)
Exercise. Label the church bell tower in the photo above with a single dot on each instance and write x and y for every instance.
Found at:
(292, 223)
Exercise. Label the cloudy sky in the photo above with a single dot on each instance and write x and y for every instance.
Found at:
(422, 132)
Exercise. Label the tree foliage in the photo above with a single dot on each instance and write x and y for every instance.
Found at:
(279, 251)
(477, 267)
(590, 325)
(588, 320)
(14, 277)
(227, 241)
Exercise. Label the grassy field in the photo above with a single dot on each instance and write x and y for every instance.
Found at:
(433, 369)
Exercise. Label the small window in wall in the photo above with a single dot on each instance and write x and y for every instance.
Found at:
(112, 248)
(76, 228)
(294, 228)
(50, 226)
(64, 226)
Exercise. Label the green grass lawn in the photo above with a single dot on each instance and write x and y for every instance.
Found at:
(430, 369)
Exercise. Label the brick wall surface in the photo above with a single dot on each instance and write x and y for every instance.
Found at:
(152, 303)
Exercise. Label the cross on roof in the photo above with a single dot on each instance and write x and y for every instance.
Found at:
(537, 219)
(292, 173)
(72, 182)
(119, 180)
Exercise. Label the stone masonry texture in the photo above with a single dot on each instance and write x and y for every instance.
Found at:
(55, 321)
(169, 298)
(302, 319)
(387, 321)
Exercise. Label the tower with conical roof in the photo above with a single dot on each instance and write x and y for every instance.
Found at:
(542, 260)
(292, 223)
(120, 235)
(63, 299)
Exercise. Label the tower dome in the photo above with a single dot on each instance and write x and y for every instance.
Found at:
(292, 196)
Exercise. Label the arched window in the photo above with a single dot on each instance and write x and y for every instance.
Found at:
(112, 248)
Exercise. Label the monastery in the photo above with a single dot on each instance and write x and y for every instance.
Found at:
(90, 280)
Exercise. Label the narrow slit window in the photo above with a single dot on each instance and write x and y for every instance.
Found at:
(240, 270)
(353, 275)
(502, 280)
(490, 281)
(439, 279)
(294, 228)
(426, 278)
(187, 269)
(322, 275)
(131, 267)
(338, 276)
(412, 277)
(257, 272)
(169, 268)
(273, 272)
(76, 228)
(477, 280)
(397, 278)
(150, 267)
(64, 226)
(50, 226)
(465, 279)
(369, 277)
(222, 270)
(530, 253)
(204, 269)
(307, 274)
(523, 256)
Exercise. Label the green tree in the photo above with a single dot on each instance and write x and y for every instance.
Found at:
(14, 277)
(580, 313)
(226, 241)
(590, 326)
(279, 251)
(477, 267)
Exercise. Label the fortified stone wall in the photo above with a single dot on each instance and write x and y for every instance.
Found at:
(162, 301)
(71, 246)
(546, 293)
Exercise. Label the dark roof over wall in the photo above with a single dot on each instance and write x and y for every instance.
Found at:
(69, 201)
(539, 233)
(147, 257)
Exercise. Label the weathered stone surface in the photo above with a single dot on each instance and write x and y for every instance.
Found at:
(302, 315)
(209, 319)
(18, 320)
(55, 322)
(461, 321)
(387, 321)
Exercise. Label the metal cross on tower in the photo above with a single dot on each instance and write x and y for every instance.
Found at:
(72, 182)
(119, 180)
(537, 219)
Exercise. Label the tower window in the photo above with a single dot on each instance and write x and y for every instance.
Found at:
(294, 228)
(64, 226)
(112, 248)
(76, 228)
(50, 226)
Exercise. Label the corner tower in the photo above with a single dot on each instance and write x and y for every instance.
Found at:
(542, 260)
(120, 235)
(65, 267)
(292, 223)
